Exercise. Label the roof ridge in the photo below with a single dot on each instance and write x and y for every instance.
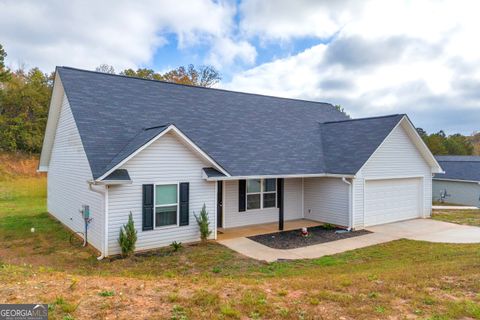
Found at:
(193, 86)
(366, 118)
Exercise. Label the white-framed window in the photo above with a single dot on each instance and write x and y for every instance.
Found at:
(269, 199)
(166, 205)
(261, 193)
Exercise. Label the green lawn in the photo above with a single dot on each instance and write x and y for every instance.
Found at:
(400, 279)
(466, 217)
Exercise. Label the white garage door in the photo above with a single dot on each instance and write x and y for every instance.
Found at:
(392, 200)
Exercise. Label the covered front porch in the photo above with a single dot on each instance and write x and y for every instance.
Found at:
(260, 205)
(263, 228)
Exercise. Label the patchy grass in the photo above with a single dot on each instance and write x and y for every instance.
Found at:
(15, 165)
(466, 217)
(400, 279)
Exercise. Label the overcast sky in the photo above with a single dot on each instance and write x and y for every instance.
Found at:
(372, 57)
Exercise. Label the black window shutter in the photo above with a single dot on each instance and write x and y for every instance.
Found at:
(147, 212)
(279, 191)
(184, 203)
(242, 194)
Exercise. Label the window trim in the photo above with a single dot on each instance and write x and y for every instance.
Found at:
(253, 193)
(270, 192)
(261, 193)
(165, 205)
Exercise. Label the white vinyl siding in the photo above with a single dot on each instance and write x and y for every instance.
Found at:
(293, 199)
(292, 206)
(397, 157)
(358, 199)
(68, 174)
(167, 160)
(327, 200)
(463, 193)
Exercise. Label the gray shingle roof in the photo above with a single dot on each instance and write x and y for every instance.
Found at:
(247, 134)
(118, 175)
(347, 145)
(459, 167)
(213, 173)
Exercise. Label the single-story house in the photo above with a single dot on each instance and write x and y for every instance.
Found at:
(460, 184)
(161, 151)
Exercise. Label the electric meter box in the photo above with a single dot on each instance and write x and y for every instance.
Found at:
(86, 211)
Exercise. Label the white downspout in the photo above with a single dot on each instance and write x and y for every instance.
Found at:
(349, 203)
(105, 199)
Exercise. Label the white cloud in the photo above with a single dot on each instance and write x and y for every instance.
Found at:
(283, 19)
(121, 33)
(227, 51)
(419, 57)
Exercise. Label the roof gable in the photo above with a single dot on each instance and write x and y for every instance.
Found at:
(348, 145)
(145, 138)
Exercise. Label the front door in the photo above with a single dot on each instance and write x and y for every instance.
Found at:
(219, 204)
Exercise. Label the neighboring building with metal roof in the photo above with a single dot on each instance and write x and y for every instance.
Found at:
(460, 184)
(162, 150)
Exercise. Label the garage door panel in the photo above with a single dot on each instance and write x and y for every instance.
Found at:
(392, 200)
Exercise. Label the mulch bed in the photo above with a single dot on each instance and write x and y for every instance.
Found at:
(294, 239)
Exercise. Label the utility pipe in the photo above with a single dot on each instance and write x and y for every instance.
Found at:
(350, 207)
(105, 200)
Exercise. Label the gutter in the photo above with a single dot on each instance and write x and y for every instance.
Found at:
(350, 203)
(105, 199)
(456, 180)
(318, 175)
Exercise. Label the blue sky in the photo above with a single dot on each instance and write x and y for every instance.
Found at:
(373, 57)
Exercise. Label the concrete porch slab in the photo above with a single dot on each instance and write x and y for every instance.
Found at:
(263, 228)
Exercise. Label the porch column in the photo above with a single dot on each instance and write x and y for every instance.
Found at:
(280, 183)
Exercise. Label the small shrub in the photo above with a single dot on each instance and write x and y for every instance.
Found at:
(203, 224)
(328, 226)
(216, 269)
(106, 293)
(176, 246)
(128, 237)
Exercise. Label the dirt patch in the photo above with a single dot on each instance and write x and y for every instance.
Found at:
(294, 238)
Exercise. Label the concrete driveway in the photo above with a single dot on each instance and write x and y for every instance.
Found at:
(430, 230)
(418, 229)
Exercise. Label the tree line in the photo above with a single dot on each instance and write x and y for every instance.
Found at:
(441, 144)
(25, 97)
